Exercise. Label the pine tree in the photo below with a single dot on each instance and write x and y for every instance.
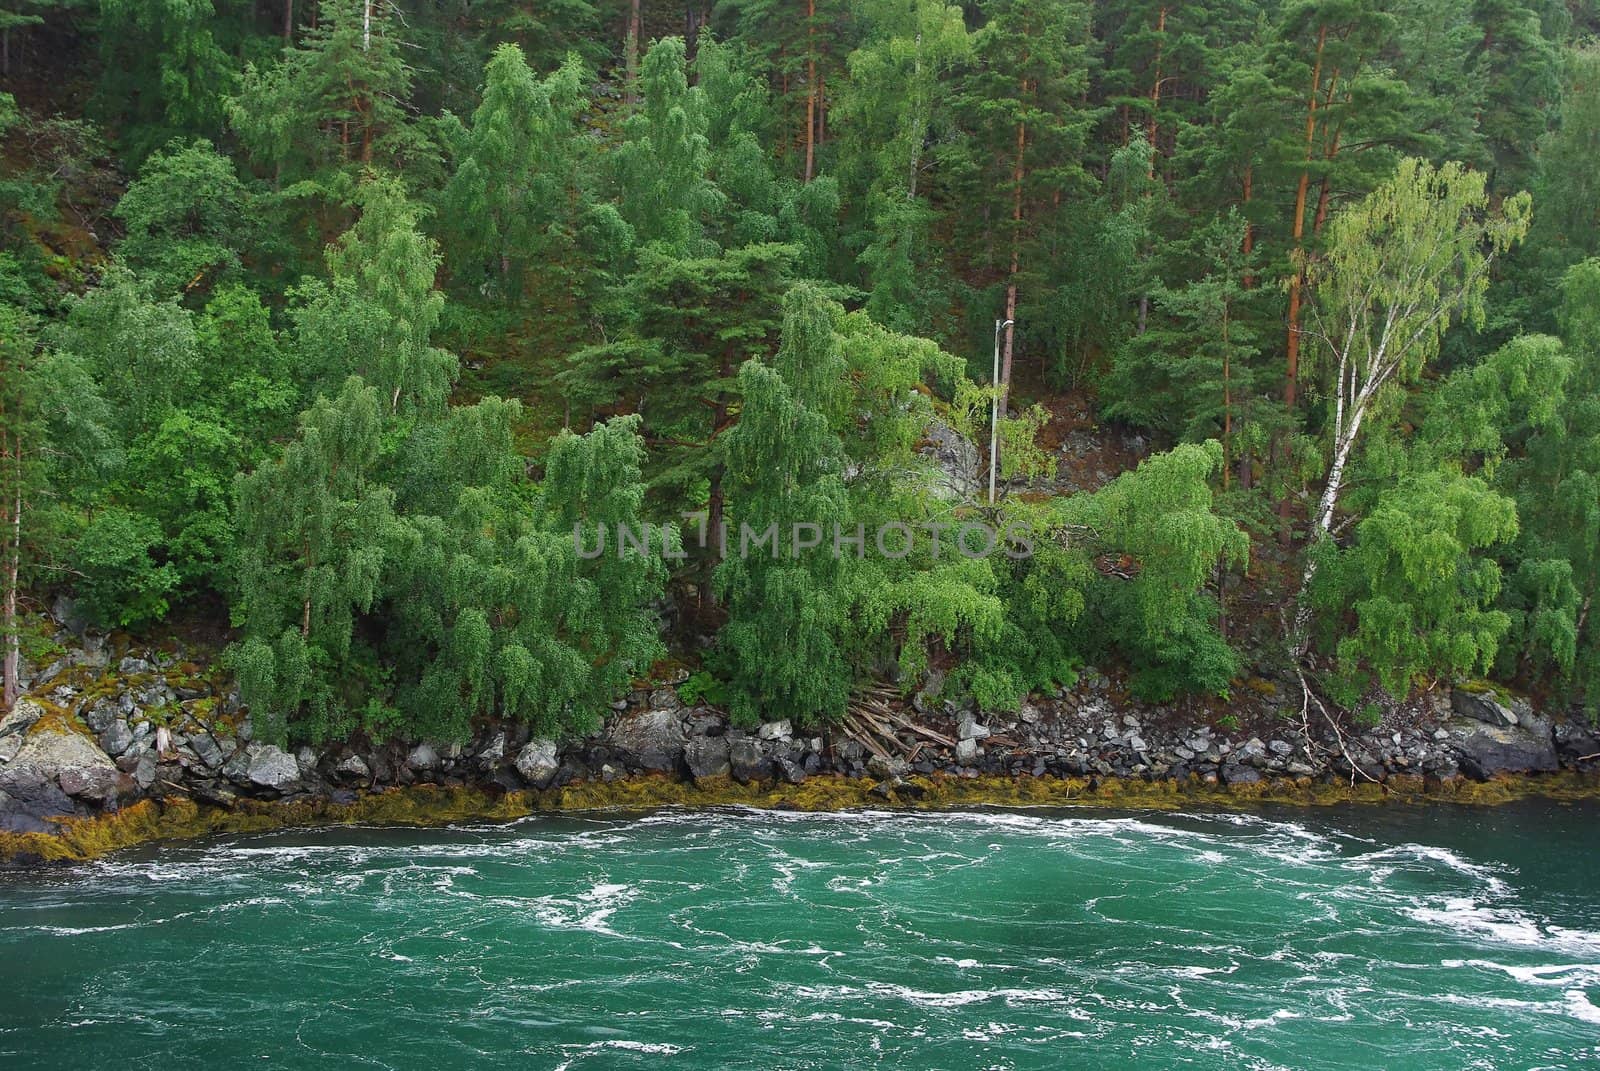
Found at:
(664, 192)
(165, 75)
(335, 104)
(897, 99)
(1026, 125)
(693, 322)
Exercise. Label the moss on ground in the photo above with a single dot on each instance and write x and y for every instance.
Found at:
(81, 839)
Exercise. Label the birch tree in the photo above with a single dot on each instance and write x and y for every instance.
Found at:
(1402, 265)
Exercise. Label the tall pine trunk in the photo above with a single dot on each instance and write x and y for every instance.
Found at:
(811, 88)
(1155, 92)
(1016, 259)
(1298, 278)
(630, 52)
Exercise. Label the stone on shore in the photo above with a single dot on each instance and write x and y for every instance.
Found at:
(652, 740)
(271, 767)
(538, 764)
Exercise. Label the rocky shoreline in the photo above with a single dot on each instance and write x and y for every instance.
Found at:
(104, 735)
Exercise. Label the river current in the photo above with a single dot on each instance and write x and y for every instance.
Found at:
(1399, 938)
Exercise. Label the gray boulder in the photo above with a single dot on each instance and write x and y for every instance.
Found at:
(271, 767)
(354, 767)
(15, 725)
(746, 761)
(707, 756)
(1235, 774)
(206, 750)
(791, 771)
(537, 763)
(57, 753)
(100, 714)
(652, 740)
(27, 797)
(776, 730)
(423, 757)
(494, 750)
(116, 738)
(1486, 751)
(1575, 741)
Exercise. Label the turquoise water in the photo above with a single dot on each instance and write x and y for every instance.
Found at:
(1378, 938)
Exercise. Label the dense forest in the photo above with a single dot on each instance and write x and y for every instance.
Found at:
(330, 322)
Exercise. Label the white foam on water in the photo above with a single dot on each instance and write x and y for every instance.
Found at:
(644, 1048)
(927, 999)
(590, 910)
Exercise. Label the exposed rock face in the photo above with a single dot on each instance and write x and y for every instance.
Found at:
(652, 740)
(1486, 751)
(271, 767)
(955, 459)
(1482, 706)
(746, 760)
(55, 753)
(538, 763)
(15, 725)
(354, 767)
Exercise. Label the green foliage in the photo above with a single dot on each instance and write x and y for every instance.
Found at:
(1161, 543)
(312, 530)
(164, 74)
(757, 264)
(377, 314)
(784, 466)
(120, 582)
(1419, 586)
(510, 203)
(188, 218)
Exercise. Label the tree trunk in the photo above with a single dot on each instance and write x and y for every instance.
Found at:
(1249, 244)
(630, 53)
(692, 20)
(1323, 194)
(1227, 402)
(288, 20)
(1297, 280)
(1155, 90)
(1344, 442)
(1016, 260)
(13, 561)
(811, 87)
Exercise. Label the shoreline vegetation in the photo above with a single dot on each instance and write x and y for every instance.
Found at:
(116, 749)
